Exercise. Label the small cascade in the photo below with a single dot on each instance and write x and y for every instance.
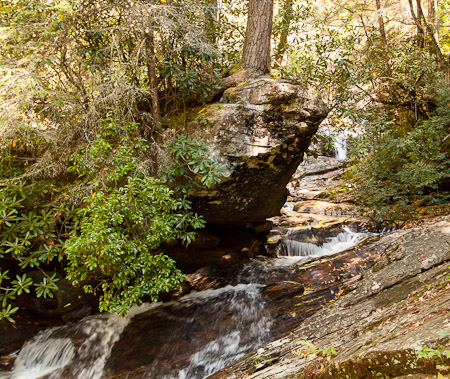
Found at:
(43, 355)
(52, 352)
(340, 138)
(340, 146)
(251, 328)
(292, 247)
(190, 338)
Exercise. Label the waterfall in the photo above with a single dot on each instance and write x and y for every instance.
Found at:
(340, 145)
(291, 247)
(42, 356)
(340, 139)
(201, 333)
(52, 351)
(190, 338)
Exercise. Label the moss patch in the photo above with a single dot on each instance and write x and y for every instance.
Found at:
(379, 364)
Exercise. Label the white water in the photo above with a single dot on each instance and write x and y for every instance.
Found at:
(340, 140)
(201, 333)
(46, 354)
(51, 355)
(247, 308)
(340, 146)
(61, 358)
(298, 250)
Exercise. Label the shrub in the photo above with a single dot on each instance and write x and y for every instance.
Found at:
(117, 245)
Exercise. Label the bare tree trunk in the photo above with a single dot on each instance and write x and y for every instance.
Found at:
(433, 17)
(383, 37)
(434, 42)
(152, 78)
(211, 20)
(256, 55)
(286, 14)
(420, 29)
(418, 21)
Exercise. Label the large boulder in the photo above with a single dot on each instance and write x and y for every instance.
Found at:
(260, 131)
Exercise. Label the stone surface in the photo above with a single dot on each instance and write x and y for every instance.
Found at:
(260, 131)
(377, 323)
(314, 176)
(326, 208)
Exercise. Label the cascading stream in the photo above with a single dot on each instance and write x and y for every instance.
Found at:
(291, 247)
(190, 338)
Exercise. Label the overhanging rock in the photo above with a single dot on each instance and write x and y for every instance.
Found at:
(260, 131)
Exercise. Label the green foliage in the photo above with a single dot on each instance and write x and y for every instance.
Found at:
(429, 353)
(118, 247)
(405, 165)
(191, 166)
(258, 360)
(33, 226)
(112, 241)
(111, 157)
(119, 241)
(313, 351)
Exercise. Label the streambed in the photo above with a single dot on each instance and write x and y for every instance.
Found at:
(202, 332)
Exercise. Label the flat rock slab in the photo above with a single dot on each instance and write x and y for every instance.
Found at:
(377, 325)
(314, 176)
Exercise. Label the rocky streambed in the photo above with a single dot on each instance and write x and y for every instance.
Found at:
(200, 333)
(376, 322)
(339, 298)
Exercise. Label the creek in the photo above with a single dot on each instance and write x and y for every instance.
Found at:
(192, 337)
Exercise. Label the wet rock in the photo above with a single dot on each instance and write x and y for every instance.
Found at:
(205, 278)
(315, 176)
(277, 291)
(377, 321)
(326, 208)
(260, 131)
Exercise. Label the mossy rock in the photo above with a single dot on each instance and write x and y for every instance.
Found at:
(375, 365)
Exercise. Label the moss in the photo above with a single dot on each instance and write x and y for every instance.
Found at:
(373, 365)
(177, 120)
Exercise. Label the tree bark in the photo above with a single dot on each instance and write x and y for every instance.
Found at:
(256, 55)
(286, 14)
(420, 29)
(153, 79)
(383, 37)
(433, 17)
(441, 58)
(211, 15)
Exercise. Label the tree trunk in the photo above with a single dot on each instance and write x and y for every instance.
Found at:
(420, 29)
(152, 79)
(286, 14)
(383, 37)
(433, 18)
(211, 15)
(435, 42)
(256, 55)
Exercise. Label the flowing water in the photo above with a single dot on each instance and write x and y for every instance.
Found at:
(189, 338)
(314, 245)
(341, 139)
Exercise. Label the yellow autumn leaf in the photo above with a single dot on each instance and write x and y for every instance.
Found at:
(14, 142)
(202, 109)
